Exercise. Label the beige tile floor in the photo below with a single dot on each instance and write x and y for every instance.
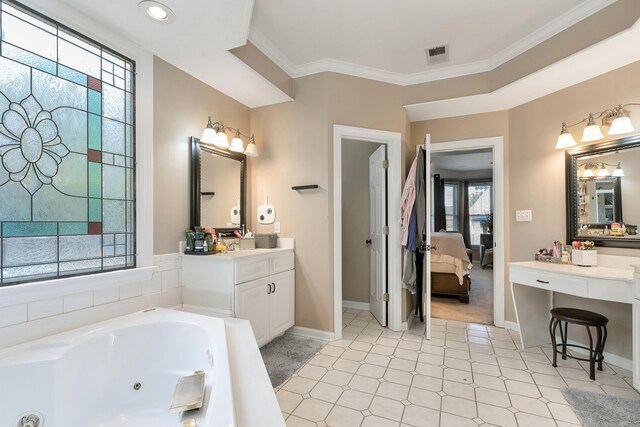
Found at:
(466, 375)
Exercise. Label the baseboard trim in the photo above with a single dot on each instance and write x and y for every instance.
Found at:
(356, 305)
(612, 359)
(508, 324)
(311, 333)
(404, 326)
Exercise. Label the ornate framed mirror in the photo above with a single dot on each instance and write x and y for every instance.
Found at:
(602, 187)
(218, 180)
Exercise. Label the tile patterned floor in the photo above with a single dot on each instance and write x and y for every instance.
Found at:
(466, 375)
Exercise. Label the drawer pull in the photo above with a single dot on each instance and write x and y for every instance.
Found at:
(542, 281)
(269, 286)
(274, 287)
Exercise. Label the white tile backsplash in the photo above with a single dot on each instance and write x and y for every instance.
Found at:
(13, 315)
(78, 301)
(130, 291)
(152, 286)
(45, 308)
(106, 296)
(170, 279)
(36, 319)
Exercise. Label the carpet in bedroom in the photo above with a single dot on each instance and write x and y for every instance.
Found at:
(286, 354)
(480, 307)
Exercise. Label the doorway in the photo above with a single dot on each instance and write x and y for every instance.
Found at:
(495, 145)
(390, 143)
(463, 205)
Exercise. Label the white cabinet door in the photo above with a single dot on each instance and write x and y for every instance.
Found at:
(282, 302)
(636, 341)
(252, 303)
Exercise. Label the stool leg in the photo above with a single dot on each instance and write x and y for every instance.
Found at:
(552, 332)
(563, 338)
(599, 346)
(604, 340)
(592, 354)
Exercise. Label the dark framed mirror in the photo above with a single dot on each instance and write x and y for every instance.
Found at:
(218, 180)
(602, 187)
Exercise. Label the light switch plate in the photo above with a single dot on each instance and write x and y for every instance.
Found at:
(524, 216)
(276, 227)
(266, 214)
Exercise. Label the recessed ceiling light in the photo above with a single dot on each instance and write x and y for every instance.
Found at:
(157, 11)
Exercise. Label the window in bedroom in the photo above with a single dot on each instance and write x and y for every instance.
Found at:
(67, 151)
(451, 207)
(480, 206)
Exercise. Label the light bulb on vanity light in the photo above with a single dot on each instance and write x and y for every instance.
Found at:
(565, 140)
(252, 150)
(222, 140)
(588, 172)
(603, 171)
(618, 171)
(209, 134)
(236, 144)
(592, 132)
(620, 125)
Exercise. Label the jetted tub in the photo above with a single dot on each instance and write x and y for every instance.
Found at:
(120, 372)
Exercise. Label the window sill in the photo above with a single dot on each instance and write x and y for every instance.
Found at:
(28, 292)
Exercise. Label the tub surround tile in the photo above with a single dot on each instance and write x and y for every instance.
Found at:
(45, 308)
(106, 296)
(78, 301)
(152, 286)
(130, 291)
(13, 315)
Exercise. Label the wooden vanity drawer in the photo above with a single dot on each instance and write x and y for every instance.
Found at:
(251, 269)
(553, 282)
(282, 262)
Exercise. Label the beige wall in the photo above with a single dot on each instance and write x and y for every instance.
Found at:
(535, 171)
(355, 220)
(296, 143)
(181, 105)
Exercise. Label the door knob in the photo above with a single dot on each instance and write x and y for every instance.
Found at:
(368, 242)
(431, 248)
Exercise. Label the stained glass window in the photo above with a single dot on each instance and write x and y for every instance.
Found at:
(67, 169)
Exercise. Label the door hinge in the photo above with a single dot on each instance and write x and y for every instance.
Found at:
(385, 297)
(385, 230)
(385, 164)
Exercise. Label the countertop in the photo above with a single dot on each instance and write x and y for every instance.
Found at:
(599, 272)
(240, 253)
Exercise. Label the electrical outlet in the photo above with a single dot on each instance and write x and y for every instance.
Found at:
(524, 216)
(276, 227)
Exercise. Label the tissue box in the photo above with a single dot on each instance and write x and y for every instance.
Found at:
(584, 258)
(266, 241)
(247, 243)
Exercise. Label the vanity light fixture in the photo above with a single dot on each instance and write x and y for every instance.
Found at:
(157, 11)
(215, 134)
(602, 171)
(616, 118)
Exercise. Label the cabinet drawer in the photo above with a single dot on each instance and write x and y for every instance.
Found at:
(282, 262)
(553, 282)
(251, 269)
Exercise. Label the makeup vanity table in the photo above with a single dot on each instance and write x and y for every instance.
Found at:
(533, 284)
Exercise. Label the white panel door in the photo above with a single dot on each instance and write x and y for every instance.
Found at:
(282, 302)
(378, 245)
(252, 304)
(427, 255)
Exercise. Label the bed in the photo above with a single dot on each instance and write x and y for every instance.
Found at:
(450, 266)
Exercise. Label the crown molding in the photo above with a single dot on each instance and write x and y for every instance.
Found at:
(265, 45)
(549, 30)
(591, 62)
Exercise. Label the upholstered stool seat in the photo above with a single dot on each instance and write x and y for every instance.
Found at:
(579, 317)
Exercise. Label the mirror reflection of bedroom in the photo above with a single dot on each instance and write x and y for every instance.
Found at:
(462, 225)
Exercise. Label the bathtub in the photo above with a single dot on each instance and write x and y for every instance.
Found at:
(120, 372)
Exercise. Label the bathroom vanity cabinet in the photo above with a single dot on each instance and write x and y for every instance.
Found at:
(257, 285)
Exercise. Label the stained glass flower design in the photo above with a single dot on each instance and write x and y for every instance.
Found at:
(30, 146)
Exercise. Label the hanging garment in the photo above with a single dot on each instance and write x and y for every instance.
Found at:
(412, 241)
(407, 201)
(421, 198)
(409, 271)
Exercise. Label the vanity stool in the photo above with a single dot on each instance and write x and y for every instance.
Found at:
(584, 318)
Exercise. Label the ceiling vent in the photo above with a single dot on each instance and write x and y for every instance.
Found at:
(438, 54)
